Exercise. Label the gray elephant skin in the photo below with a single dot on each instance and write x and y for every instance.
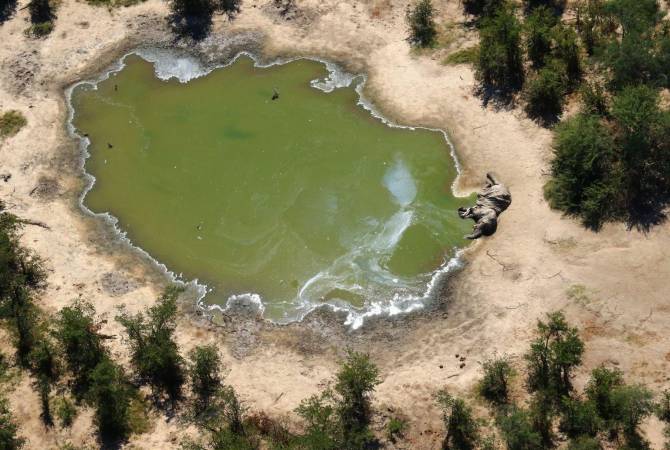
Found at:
(492, 200)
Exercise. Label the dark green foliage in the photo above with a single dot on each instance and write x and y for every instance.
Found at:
(555, 6)
(80, 344)
(634, 16)
(395, 429)
(462, 429)
(45, 368)
(538, 35)
(9, 439)
(228, 7)
(154, 353)
(663, 407)
(40, 11)
(11, 123)
(542, 413)
(566, 51)
(193, 8)
(204, 373)
(643, 135)
(579, 418)
(631, 61)
(66, 411)
(553, 356)
(592, 24)
(7, 10)
(421, 23)
(355, 381)
(584, 443)
(602, 382)
(468, 55)
(322, 429)
(500, 65)
(582, 181)
(481, 8)
(494, 385)
(594, 99)
(517, 430)
(340, 418)
(110, 395)
(631, 404)
(192, 18)
(545, 94)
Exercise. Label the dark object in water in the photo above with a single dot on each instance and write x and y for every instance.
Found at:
(109, 145)
(275, 94)
(116, 87)
(492, 200)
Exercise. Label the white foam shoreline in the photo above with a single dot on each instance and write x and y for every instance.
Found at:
(173, 64)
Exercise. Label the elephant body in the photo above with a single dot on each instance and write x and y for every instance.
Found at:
(492, 200)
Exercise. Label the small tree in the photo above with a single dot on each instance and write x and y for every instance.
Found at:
(322, 427)
(566, 50)
(204, 372)
(500, 64)
(9, 439)
(545, 94)
(421, 23)
(154, 352)
(81, 345)
(553, 356)
(538, 31)
(494, 385)
(579, 418)
(517, 430)
(598, 389)
(462, 428)
(632, 405)
(110, 395)
(192, 17)
(355, 382)
(594, 99)
(481, 8)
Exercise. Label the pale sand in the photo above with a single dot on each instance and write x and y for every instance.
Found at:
(510, 280)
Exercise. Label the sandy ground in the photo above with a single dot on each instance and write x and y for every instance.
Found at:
(613, 284)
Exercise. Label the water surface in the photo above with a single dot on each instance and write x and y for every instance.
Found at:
(301, 200)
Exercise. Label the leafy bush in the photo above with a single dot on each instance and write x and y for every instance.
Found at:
(468, 55)
(40, 29)
(421, 23)
(566, 50)
(204, 372)
(579, 418)
(395, 428)
(9, 439)
(462, 428)
(545, 94)
(110, 395)
(80, 344)
(500, 64)
(553, 356)
(494, 386)
(154, 352)
(538, 31)
(481, 8)
(66, 411)
(594, 99)
(517, 430)
(584, 443)
(11, 123)
(582, 182)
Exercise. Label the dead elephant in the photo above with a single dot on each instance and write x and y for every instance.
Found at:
(492, 200)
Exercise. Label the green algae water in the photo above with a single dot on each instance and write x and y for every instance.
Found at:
(293, 202)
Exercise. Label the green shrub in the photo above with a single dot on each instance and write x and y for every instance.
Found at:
(545, 94)
(421, 21)
(9, 439)
(481, 8)
(66, 411)
(110, 395)
(11, 123)
(517, 430)
(500, 64)
(598, 389)
(395, 429)
(154, 352)
(579, 418)
(468, 55)
(494, 385)
(582, 182)
(538, 31)
(584, 443)
(204, 373)
(594, 99)
(553, 356)
(41, 29)
(462, 428)
(566, 50)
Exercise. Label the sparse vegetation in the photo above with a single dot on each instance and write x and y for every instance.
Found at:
(468, 55)
(11, 123)
(462, 428)
(495, 384)
(422, 30)
(9, 437)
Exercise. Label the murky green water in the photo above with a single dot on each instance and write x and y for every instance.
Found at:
(302, 200)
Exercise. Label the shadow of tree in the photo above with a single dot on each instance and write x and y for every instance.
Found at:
(196, 27)
(7, 10)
